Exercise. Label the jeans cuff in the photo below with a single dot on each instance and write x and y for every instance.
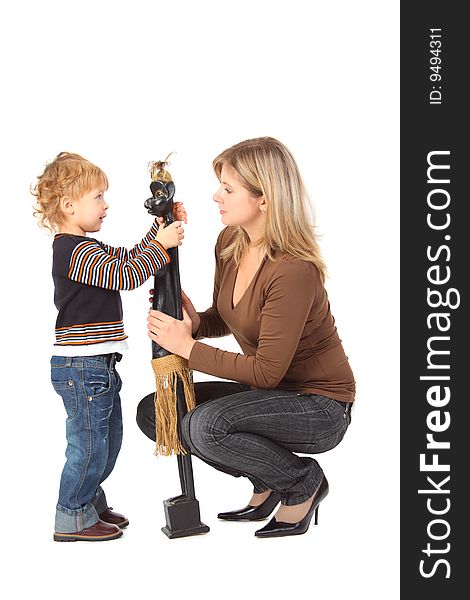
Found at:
(302, 492)
(99, 501)
(258, 486)
(71, 521)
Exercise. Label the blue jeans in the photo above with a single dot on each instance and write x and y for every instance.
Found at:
(89, 387)
(257, 434)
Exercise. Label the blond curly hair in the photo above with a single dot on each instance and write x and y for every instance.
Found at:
(67, 175)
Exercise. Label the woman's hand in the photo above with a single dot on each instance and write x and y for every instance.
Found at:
(188, 305)
(169, 333)
(179, 212)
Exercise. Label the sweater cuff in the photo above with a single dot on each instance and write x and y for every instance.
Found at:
(162, 250)
(196, 361)
(154, 229)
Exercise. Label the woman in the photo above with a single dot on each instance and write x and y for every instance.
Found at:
(292, 388)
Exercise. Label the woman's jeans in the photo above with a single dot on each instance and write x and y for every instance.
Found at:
(89, 387)
(256, 433)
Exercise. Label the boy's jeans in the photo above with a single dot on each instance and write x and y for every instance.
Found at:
(89, 387)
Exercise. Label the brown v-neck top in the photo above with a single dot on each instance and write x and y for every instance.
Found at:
(282, 323)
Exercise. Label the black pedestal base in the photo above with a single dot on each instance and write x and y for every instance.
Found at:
(182, 518)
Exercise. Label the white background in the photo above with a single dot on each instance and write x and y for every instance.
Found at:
(123, 83)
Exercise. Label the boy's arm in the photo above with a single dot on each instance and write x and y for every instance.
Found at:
(91, 264)
(124, 254)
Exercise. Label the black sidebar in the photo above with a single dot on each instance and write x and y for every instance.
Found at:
(435, 253)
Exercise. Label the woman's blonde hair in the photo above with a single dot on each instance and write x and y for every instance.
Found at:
(266, 168)
(67, 175)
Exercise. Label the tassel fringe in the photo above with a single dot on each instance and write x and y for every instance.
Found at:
(167, 370)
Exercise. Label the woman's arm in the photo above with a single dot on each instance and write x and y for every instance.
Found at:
(283, 317)
(211, 323)
(178, 337)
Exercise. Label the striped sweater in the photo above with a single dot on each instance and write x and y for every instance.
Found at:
(87, 278)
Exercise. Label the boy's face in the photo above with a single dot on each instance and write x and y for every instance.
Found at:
(88, 212)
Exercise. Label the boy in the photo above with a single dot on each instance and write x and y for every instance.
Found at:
(90, 334)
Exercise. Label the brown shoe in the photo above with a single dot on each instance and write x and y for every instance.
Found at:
(108, 516)
(98, 532)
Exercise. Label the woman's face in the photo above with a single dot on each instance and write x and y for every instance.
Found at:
(237, 206)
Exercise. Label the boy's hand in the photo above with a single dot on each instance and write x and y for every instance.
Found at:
(170, 235)
(179, 212)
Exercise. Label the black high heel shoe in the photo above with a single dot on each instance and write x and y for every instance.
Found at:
(253, 513)
(279, 528)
